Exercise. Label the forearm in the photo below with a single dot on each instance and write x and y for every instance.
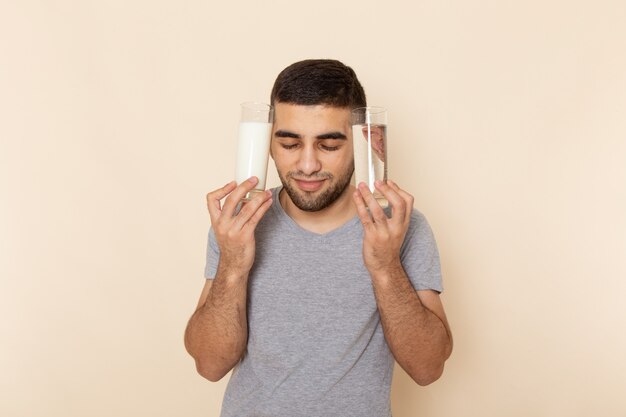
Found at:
(217, 333)
(418, 339)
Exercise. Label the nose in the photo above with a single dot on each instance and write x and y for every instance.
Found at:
(309, 163)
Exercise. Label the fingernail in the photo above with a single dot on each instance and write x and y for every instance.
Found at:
(378, 183)
(253, 179)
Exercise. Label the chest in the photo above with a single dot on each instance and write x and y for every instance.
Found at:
(309, 287)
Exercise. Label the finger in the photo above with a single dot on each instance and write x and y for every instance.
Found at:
(398, 205)
(249, 209)
(213, 199)
(361, 209)
(377, 213)
(258, 215)
(407, 197)
(230, 204)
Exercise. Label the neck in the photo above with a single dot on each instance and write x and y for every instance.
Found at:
(325, 220)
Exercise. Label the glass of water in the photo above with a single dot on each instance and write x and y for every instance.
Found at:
(369, 137)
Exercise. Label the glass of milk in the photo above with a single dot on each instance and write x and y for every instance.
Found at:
(255, 130)
(369, 137)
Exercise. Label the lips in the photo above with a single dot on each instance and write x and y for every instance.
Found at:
(309, 185)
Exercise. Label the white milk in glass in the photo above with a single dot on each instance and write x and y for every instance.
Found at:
(253, 152)
(370, 156)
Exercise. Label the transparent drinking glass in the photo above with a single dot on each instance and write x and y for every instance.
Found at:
(369, 136)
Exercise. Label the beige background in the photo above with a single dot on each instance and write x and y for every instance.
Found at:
(507, 124)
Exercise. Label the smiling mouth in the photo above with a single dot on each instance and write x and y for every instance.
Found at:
(309, 185)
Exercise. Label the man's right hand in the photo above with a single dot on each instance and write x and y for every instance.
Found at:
(235, 232)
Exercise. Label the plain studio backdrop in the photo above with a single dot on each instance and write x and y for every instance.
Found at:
(507, 124)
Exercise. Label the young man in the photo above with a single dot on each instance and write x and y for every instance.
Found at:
(312, 289)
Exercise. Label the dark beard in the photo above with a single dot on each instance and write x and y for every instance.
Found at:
(325, 199)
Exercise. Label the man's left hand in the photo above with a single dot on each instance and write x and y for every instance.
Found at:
(383, 235)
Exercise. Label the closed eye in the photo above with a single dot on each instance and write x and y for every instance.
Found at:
(331, 144)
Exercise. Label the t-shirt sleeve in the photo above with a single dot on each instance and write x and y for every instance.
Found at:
(212, 256)
(419, 255)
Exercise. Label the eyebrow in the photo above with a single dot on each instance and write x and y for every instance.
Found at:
(329, 135)
(332, 135)
(286, 134)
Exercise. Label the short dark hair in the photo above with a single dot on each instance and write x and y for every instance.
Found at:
(319, 81)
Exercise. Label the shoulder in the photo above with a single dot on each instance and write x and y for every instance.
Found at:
(419, 232)
(275, 198)
(418, 217)
(271, 219)
(418, 220)
(420, 256)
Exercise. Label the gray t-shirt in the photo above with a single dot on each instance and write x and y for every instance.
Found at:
(315, 341)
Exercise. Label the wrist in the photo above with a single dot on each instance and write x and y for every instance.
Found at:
(386, 271)
(232, 274)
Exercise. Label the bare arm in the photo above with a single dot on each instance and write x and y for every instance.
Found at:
(414, 322)
(415, 326)
(217, 332)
